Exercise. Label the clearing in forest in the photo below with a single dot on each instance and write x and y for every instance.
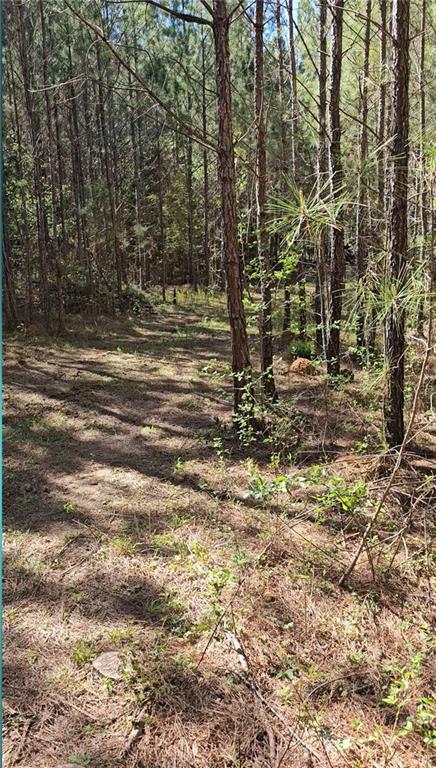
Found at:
(135, 524)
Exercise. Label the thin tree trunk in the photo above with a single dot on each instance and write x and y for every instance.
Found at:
(381, 119)
(397, 236)
(55, 245)
(337, 262)
(361, 215)
(266, 339)
(293, 69)
(281, 92)
(91, 121)
(24, 227)
(322, 245)
(109, 178)
(190, 212)
(77, 173)
(161, 240)
(206, 251)
(381, 159)
(141, 164)
(287, 144)
(423, 171)
(136, 235)
(241, 365)
(300, 268)
(37, 165)
(10, 301)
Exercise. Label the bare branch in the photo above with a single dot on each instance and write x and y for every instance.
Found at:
(207, 6)
(179, 14)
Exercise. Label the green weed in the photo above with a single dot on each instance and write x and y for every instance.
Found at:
(84, 651)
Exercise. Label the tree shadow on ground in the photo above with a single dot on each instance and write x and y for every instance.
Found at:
(67, 490)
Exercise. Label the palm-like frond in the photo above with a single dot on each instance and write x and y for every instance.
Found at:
(305, 217)
(379, 293)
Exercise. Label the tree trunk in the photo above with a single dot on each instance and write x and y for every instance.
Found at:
(78, 178)
(24, 227)
(55, 243)
(161, 239)
(381, 119)
(41, 217)
(108, 168)
(423, 212)
(322, 245)
(206, 251)
(10, 302)
(293, 70)
(281, 93)
(241, 365)
(300, 276)
(190, 209)
(381, 157)
(136, 234)
(337, 262)
(361, 215)
(287, 149)
(397, 225)
(141, 164)
(286, 144)
(266, 338)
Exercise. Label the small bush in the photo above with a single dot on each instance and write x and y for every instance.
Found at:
(301, 348)
(135, 301)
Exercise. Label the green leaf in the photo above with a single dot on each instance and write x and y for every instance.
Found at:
(78, 759)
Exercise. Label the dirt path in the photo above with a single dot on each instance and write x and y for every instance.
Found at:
(127, 530)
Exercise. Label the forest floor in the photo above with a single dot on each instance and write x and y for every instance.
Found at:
(135, 523)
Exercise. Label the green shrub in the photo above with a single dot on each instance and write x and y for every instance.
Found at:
(301, 348)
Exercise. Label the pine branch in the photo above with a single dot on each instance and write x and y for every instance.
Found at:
(189, 130)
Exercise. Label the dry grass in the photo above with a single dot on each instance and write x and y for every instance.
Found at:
(128, 528)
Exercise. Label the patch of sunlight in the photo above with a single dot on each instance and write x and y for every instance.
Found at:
(60, 675)
(124, 545)
(150, 429)
(126, 478)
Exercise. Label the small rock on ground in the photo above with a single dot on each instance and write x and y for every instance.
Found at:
(108, 665)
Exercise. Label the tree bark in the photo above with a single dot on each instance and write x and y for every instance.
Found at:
(322, 245)
(108, 168)
(266, 338)
(161, 239)
(192, 279)
(241, 365)
(41, 217)
(24, 226)
(10, 301)
(381, 119)
(337, 262)
(381, 156)
(423, 213)
(397, 226)
(55, 242)
(293, 70)
(206, 249)
(361, 215)
(281, 94)
(300, 268)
